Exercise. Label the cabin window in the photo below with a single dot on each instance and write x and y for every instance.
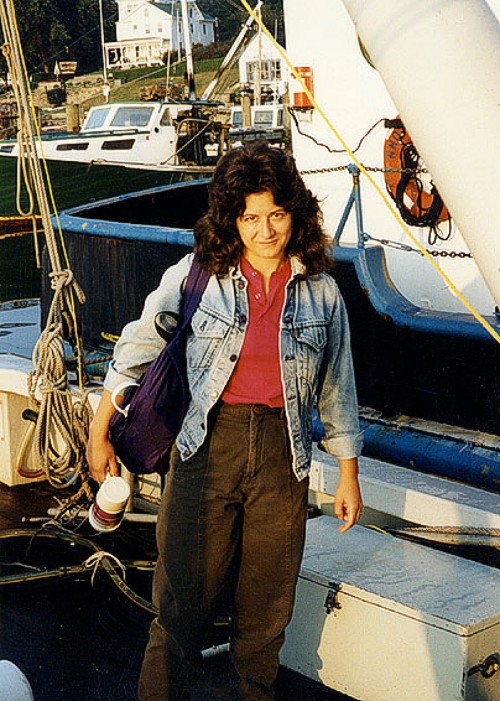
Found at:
(6, 149)
(97, 118)
(77, 146)
(264, 118)
(237, 118)
(166, 120)
(118, 145)
(132, 117)
(279, 121)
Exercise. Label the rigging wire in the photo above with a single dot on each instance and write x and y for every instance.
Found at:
(291, 110)
(477, 315)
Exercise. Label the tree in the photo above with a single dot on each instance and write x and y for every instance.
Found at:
(52, 29)
(231, 17)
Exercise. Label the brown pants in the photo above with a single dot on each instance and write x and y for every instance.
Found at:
(234, 507)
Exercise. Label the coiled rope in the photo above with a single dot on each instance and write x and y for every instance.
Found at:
(62, 426)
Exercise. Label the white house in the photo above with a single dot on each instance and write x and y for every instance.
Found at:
(147, 29)
(274, 73)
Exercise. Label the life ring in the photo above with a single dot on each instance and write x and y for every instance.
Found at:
(418, 204)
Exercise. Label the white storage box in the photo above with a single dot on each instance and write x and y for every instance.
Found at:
(412, 621)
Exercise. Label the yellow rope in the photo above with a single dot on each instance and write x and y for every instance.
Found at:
(378, 189)
(53, 204)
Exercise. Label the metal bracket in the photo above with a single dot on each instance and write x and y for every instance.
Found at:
(331, 601)
(488, 668)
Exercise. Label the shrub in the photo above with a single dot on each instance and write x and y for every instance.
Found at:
(56, 96)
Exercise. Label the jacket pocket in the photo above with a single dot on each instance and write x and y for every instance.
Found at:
(204, 343)
(311, 341)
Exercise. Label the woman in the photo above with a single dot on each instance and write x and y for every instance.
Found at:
(268, 340)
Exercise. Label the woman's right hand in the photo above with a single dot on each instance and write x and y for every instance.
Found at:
(101, 458)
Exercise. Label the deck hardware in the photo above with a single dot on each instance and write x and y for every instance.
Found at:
(488, 668)
(331, 601)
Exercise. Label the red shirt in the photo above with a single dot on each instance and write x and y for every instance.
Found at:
(257, 376)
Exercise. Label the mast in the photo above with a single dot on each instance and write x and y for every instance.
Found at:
(188, 50)
(258, 72)
(105, 84)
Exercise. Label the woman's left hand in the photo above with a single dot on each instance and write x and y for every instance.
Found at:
(348, 502)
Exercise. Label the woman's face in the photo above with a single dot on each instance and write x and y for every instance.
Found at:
(265, 229)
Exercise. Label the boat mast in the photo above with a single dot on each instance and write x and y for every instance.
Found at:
(258, 72)
(105, 84)
(188, 50)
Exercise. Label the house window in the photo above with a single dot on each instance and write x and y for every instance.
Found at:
(135, 27)
(160, 29)
(147, 29)
(269, 70)
(205, 29)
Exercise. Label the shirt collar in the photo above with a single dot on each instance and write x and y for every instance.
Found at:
(298, 268)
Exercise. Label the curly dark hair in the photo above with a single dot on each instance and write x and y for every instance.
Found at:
(250, 170)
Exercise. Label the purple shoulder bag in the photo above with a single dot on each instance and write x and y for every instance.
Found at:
(144, 428)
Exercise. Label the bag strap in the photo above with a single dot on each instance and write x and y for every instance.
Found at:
(196, 284)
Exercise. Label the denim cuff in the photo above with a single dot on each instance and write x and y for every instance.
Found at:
(114, 378)
(344, 447)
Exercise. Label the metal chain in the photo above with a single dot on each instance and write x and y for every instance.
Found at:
(315, 171)
(374, 169)
(449, 254)
(405, 247)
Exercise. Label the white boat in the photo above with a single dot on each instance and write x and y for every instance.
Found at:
(170, 135)
(269, 122)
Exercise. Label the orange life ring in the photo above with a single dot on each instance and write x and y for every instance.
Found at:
(418, 206)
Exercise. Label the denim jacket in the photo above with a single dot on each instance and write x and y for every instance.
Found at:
(316, 363)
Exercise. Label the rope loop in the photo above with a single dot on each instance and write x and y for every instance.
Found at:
(96, 560)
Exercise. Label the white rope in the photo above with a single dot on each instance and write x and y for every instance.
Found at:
(96, 559)
(62, 425)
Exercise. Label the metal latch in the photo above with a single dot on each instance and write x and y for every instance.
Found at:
(488, 668)
(331, 601)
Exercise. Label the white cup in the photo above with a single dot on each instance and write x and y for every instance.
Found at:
(106, 513)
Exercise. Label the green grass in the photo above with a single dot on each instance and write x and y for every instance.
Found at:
(135, 79)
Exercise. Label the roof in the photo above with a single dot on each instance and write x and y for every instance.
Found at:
(169, 6)
(206, 16)
(165, 6)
